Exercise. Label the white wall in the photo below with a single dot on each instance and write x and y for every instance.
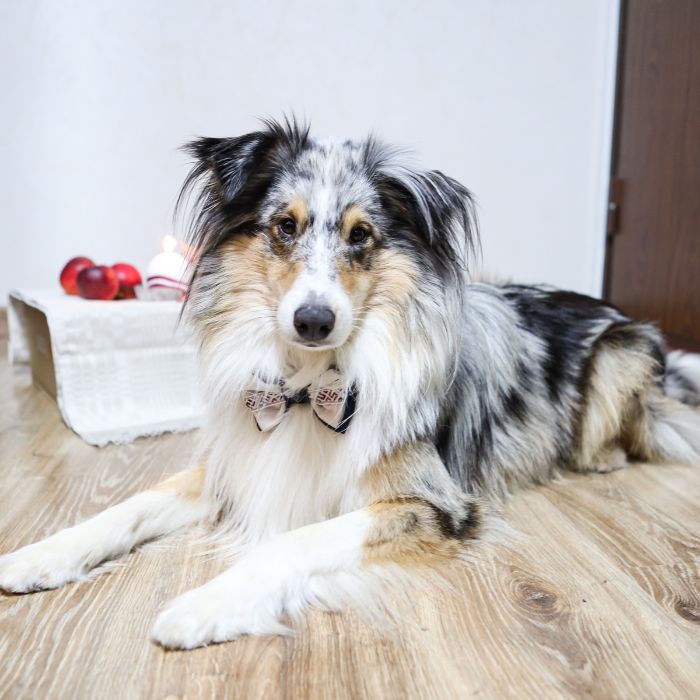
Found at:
(512, 97)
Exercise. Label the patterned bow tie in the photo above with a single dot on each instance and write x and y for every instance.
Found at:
(331, 401)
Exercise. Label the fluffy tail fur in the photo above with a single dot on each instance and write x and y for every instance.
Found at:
(682, 379)
(670, 427)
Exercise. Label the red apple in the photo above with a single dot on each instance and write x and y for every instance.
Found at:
(98, 282)
(69, 274)
(128, 277)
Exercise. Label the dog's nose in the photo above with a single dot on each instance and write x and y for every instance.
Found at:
(313, 322)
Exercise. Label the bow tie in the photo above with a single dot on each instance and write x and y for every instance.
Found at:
(331, 401)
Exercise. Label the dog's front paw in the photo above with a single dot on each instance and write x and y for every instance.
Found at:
(186, 623)
(213, 614)
(37, 567)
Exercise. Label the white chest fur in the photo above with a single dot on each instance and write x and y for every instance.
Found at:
(267, 483)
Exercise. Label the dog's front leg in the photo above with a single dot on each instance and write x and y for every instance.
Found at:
(69, 554)
(299, 567)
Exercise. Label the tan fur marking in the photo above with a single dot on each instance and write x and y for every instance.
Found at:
(391, 282)
(249, 267)
(385, 287)
(406, 528)
(352, 216)
(245, 259)
(282, 275)
(243, 286)
(354, 279)
(396, 278)
(406, 532)
(186, 484)
(244, 266)
(298, 209)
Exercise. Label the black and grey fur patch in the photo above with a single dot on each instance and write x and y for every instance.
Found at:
(462, 524)
(514, 412)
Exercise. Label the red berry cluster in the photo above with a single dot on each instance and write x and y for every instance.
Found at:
(81, 276)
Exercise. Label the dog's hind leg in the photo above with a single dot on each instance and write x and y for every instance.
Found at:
(624, 365)
(631, 405)
(70, 554)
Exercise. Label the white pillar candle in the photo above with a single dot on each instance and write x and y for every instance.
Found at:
(168, 269)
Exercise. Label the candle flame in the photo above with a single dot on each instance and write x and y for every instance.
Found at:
(169, 243)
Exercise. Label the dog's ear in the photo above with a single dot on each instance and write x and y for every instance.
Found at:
(234, 162)
(231, 177)
(230, 161)
(434, 208)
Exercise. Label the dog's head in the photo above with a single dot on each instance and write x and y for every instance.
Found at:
(304, 239)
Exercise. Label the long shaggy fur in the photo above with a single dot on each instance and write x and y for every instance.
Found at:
(510, 382)
(461, 391)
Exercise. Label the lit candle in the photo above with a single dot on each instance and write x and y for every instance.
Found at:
(168, 270)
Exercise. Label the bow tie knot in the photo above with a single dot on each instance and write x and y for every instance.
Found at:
(332, 402)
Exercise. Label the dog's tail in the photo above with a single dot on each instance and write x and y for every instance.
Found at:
(669, 428)
(682, 377)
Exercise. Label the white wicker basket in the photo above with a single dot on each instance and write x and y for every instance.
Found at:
(117, 369)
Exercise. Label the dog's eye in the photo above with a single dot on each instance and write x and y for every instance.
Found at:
(288, 227)
(359, 234)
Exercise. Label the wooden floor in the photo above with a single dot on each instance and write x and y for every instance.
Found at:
(600, 599)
